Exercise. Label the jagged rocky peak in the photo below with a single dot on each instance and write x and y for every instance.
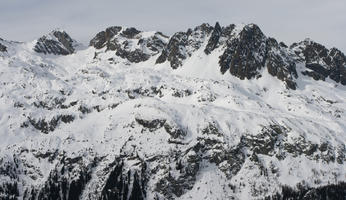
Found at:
(214, 39)
(248, 51)
(3, 48)
(321, 62)
(245, 54)
(102, 38)
(130, 43)
(280, 63)
(77, 129)
(245, 50)
(57, 42)
(182, 44)
(219, 37)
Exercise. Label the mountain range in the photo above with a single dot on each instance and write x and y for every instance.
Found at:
(215, 112)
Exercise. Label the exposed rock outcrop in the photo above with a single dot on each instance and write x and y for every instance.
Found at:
(214, 39)
(280, 64)
(182, 44)
(245, 51)
(103, 38)
(129, 43)
(57, 42)
(245, 55)
(321, 62)
(3, 48)
(80, 127)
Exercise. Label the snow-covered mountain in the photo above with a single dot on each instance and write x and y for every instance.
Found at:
(210, 113)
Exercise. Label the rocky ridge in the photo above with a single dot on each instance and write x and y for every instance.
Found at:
(129, 43)
(321, 63)
(245, 51)
(118, 120)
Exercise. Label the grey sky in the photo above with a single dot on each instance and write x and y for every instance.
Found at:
(322, 20)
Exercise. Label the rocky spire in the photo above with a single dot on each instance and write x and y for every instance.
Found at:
(214, 39)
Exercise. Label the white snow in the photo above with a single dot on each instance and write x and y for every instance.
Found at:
(238, 106)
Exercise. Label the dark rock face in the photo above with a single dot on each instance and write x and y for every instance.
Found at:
(135, 56)
(103, 38)
(188, 166)
(49, 126)
(9, 190)
(280, 64)
(151, 125)
(338, 69)
(129, 43)
(3, 48)
(227, 33)
(246, 54)
(130, 33)
(59, 185)
(220, 36)
(321, 62)
(214, 39)
(182, 44)
(118, 184)
(175, 50)
(57, 43)
(69, 177)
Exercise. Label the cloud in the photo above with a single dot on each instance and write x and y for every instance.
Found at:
(288, 21)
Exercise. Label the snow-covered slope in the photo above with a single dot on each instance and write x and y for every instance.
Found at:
(210, 113)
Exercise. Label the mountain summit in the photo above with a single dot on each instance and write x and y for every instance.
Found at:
(213, 112)
(57, 42)
(242, 51)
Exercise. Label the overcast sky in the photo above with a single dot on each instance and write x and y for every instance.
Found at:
(293, 20)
